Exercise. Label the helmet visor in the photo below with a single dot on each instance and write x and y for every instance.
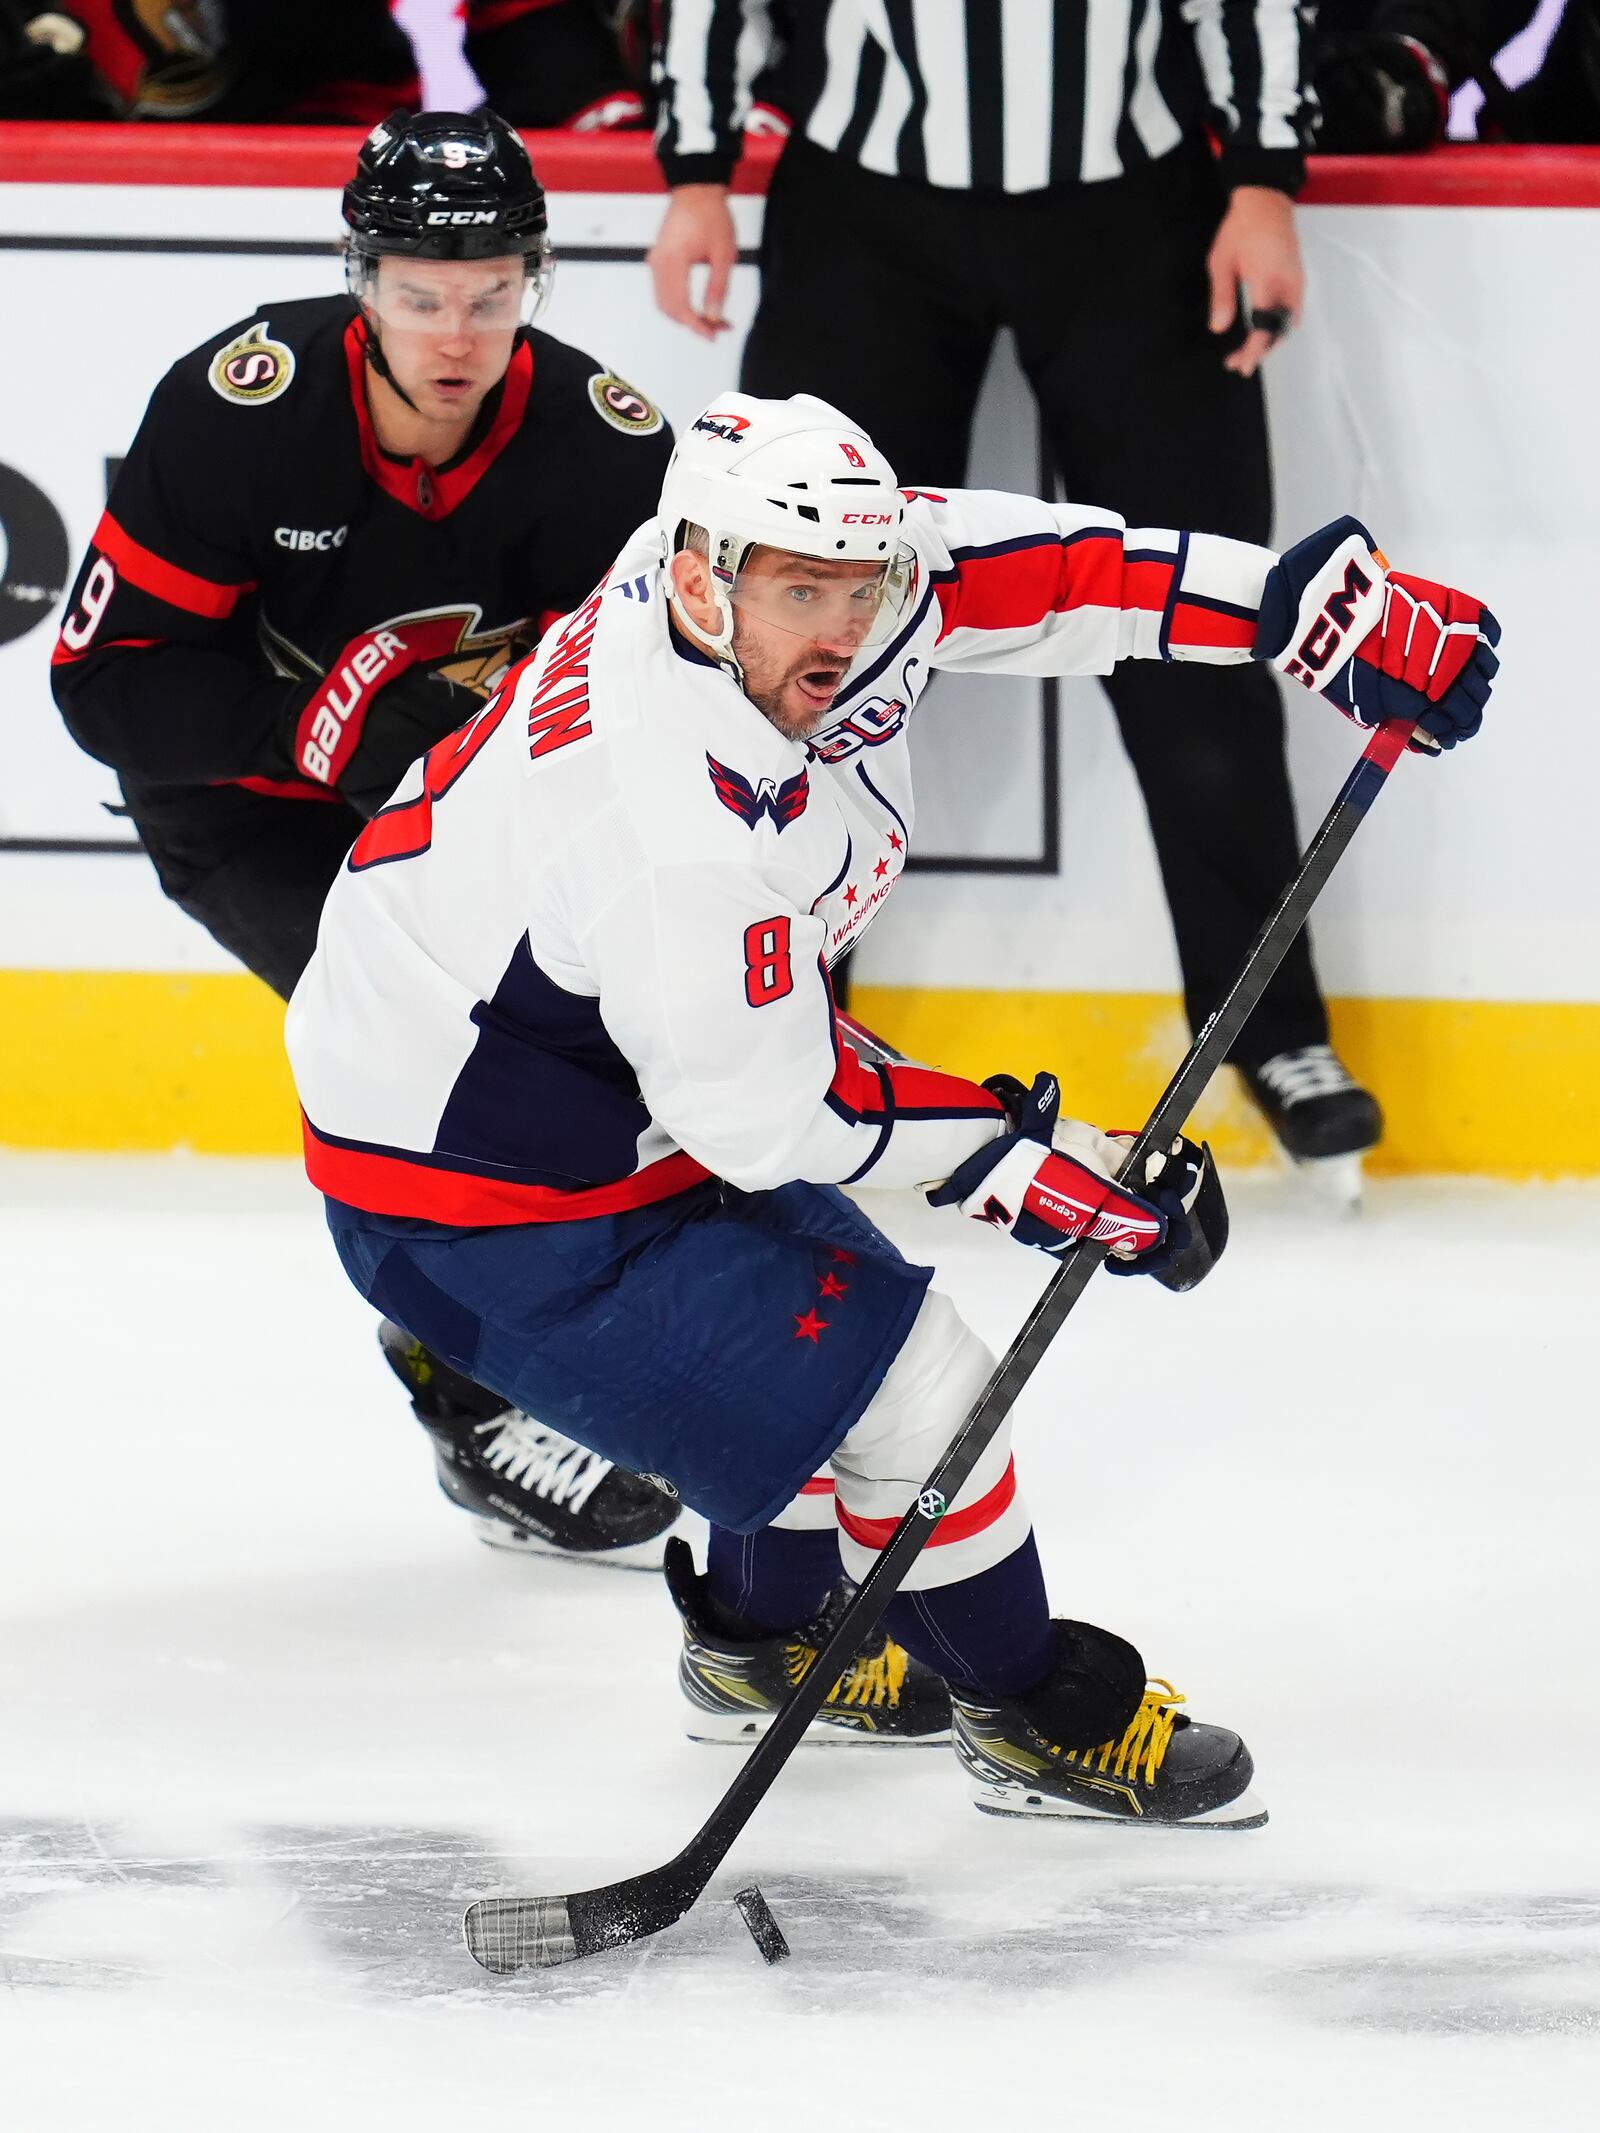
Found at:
(846, 605)
(451, 299)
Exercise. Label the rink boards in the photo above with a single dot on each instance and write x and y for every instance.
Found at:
(1438, 389)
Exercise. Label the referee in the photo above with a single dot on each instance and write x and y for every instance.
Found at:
(958, 166)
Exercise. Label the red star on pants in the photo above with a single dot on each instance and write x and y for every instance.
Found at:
(810, 1328)
(894, 841)
(881, 868)
(841, 1258)
(831, 1285)
(850, 894)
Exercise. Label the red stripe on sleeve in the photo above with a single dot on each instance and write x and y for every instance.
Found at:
(1146, 585)
(856, 1085)
(1019, 587)
(1206, 626)
(62, 657)
(165, 581)
(919, 1092)
(954, 1526)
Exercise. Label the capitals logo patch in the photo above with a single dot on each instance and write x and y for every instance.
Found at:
(617, 403)
(782, 804)
(253, 369)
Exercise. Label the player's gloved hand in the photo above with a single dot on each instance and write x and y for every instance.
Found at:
(415, 710)
(1184, 1184)
(1380, 93)
(1379, 644)
(1051, 1181)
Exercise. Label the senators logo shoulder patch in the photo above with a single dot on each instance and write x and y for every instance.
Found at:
(617, 402)
(252, 369)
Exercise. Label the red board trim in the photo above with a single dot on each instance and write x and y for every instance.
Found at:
(323, 156)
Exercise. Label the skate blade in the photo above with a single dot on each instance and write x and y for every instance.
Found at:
(1336, 1180)
(513, 1540)
(742, 1729)
(1015, 1803)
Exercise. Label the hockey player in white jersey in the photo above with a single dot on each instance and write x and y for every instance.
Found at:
(578, 1099)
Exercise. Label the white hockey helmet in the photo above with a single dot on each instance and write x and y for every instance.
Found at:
(794, 475)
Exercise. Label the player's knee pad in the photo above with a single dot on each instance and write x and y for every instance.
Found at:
(931, 1388)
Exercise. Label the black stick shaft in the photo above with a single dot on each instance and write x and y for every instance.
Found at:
(706, 1850)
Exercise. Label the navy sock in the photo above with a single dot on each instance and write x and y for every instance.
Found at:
(774, 1579)
(990, 1633)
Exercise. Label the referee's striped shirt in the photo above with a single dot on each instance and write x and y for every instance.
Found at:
(993, 95)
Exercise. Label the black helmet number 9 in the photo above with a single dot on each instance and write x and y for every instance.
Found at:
(445, 185)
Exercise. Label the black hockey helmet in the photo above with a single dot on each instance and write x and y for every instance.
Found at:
(445, 185)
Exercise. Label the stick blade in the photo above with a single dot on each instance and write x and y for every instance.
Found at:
(509, 1933)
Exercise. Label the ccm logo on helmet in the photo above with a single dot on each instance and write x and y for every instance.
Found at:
(456, 216)
(303, 538)
(867, 518)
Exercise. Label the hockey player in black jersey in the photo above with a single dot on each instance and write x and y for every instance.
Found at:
(339, 523)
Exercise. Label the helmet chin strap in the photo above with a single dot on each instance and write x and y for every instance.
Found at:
(720, 647)
(372, 347)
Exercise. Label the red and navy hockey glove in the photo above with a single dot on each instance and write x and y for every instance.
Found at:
(1050, 1182)
(1379, 644)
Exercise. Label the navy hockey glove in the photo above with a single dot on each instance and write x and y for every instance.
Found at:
(1184, 1184)
(1051, 1181)
(1379, 644)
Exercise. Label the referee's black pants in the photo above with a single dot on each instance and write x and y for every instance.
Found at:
(884, 297)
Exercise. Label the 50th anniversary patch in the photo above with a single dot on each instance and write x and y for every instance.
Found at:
(253, 368)
(623, 407)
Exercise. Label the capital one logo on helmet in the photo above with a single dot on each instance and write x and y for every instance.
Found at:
(730, 428)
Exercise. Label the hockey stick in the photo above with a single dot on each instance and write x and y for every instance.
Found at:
(507, 1933)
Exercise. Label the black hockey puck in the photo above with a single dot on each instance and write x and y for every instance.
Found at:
(765, 1930)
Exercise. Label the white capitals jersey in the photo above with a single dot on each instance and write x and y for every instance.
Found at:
(579, 962)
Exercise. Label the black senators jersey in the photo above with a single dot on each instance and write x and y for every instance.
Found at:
(264, 568)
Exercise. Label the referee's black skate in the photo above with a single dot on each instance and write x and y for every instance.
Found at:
(528, 1488)
(1036, 1755)
(735, 1686)
(1324, 1120)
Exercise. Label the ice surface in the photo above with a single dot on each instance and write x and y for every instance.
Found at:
(269, 1717)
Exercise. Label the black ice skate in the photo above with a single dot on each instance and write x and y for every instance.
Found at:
(1323, 1119)
(527, 1487)
(735, 1687)
(1024, 1755)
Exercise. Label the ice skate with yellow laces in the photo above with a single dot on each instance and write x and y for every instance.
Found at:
(735, 1685)
(1070, 1749)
